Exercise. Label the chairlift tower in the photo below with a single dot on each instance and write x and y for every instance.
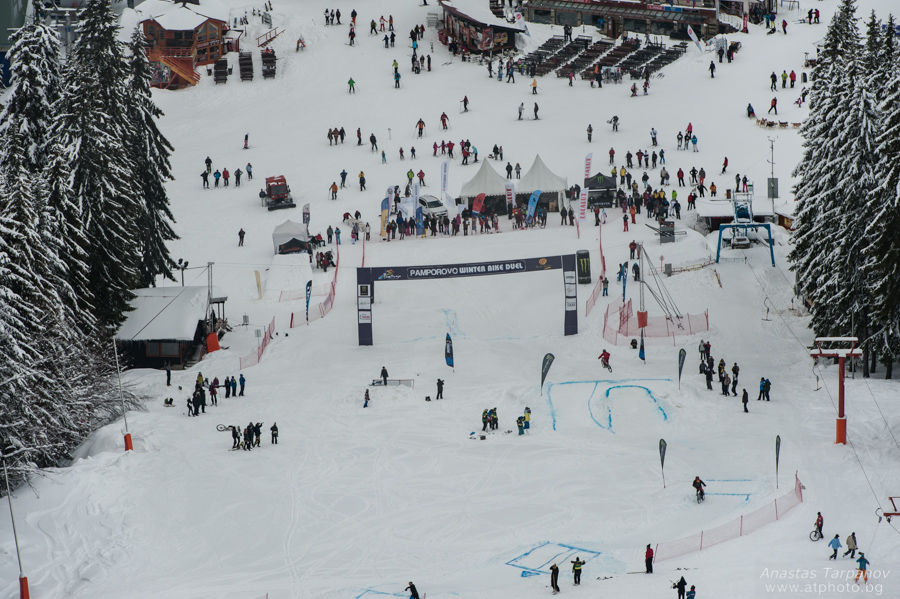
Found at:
(841, 353)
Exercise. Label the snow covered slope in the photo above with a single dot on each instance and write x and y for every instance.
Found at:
(357, 502)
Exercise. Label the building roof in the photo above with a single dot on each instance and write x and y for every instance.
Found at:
(175, 16)
(485, 181)
(476, 10)
(541, 177)
(166, 313)
(675, 14)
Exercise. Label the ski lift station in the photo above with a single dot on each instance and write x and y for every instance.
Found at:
(741, 220)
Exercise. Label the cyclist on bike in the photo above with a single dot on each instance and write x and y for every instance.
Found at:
(819, 522)
(699, 484)
(604, 359)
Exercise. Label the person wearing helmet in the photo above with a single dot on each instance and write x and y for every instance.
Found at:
(699, 484)
(604, 358)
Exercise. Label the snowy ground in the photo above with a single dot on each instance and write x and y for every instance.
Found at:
(356, 503)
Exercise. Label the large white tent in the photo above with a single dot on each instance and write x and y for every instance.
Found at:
(288, 230)
(485, 181)
(541, 177)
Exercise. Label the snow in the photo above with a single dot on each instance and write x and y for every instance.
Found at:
(166, 313)
(355, 503)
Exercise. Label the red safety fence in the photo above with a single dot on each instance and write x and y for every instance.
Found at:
(740, 526)
(621, 321)
(253, 358)
(319, 310)
(598, 288)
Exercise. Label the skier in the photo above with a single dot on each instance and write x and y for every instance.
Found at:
(205, 176)
(373, 141)
(274, 429)
(235, 437)
(465, 102)
(521, 109)
(217, 175)
(534, 87)
(554, 578)
(352, 83)
(444, 119)
(334, 190)
(237, 177)
(366, 399)
(692, 594)
(724, 165)
(247, 139)
(421, 127)
(863, 562)
(396, 80)
(615, 123)
(774, 78)
(208, 165)
(576, 570)
(384, 375)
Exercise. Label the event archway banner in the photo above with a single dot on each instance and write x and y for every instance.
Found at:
(366, 278)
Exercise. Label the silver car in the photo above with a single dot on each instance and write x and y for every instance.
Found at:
(432, 206)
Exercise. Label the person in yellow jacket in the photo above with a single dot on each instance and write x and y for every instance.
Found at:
(576, 570)
(622, 173)
(527, 418)
(534, 86)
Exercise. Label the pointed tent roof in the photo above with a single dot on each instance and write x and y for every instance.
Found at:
(289, 230)
(541, 177)
(485, 181)
(600, 181)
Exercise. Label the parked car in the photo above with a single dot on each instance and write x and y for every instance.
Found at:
(432, 206)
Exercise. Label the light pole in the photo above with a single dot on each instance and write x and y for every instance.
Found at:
(182, 266)
(23, 580)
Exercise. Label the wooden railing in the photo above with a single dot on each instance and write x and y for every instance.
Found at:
(180, 60)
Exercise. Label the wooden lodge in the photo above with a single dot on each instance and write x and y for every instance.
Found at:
(183, 35)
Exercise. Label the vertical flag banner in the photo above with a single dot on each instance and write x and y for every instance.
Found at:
(662, 460)
(445, 177)
(624, 279)
(532, 205)
(587, 165)
(641, 353)
(545, 368)
(681, 357)
(694, 37)
(510, 195)
(478, 203)
(415, 193)
(777, 456)
(306, 214)
(385, 206)
(520, 22)
(308, 294)
(582, 205)
(420, 221)
(448, 351)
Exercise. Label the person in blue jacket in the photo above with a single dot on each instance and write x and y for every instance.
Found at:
(835, 544)
(762, 388)
(243, 382)
(692, 593)
(863, 562)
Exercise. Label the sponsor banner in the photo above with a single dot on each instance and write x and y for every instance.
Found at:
(306, 214)
(448, 351)
(447, 271)
(510, 193)
(478, 204)
(582, 205)
(445, 177)
(694, 37)
(545, 367)
(532, 205)
(587, 165)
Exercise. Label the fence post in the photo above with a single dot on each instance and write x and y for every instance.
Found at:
(701, 540)
(690, 329)
(741, 533)
(776, 509)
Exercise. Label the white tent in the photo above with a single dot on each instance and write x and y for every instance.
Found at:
(288, 230)
(541, 177)
(485, 181)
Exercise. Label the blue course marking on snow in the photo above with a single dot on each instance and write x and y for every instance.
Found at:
(596, 383)
(452, 323)
(374, 592)
(746, 496)
(730, 480)
(536, 560)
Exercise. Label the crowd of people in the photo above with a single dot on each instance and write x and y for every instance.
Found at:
(223, 176)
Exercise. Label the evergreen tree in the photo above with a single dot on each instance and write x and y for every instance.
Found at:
(34, 88)
(91, 128)
(149, 153)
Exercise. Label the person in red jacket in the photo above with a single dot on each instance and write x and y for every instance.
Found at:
(680, 175)
(612, 155)
(648, 559)
(604, 358)
(774, 106)
(725, 164)
(225, 175)
(421, 176)
(793, 77)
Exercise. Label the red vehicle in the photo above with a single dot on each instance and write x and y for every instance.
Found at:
(277, 194)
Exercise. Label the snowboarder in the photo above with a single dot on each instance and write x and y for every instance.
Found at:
(384, 375)
(274, 429)
(576, 570)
